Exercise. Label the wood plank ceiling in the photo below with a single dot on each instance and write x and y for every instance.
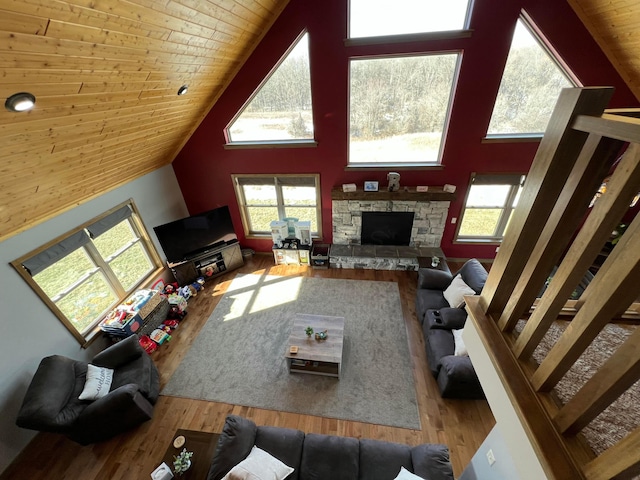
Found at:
(106, 74)
(615, 25)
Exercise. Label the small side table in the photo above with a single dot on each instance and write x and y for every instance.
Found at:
(425, 262)
(203, 446)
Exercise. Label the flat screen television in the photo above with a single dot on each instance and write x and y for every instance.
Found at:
(189, 237)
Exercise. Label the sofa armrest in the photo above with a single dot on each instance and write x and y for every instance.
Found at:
(118, 411)
(119, 353)
(433, 279)
(449, 318)
(235, 443)
(432, 461)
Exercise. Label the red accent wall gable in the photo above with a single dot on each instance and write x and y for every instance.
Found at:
(204, 167)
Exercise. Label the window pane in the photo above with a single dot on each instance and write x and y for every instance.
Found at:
(488, 195)
(131, 266)
(114, 239)
(281, 110)
(86, 303)
(303, 214)
(299, 195)
(530, 86)
(480, 222)
(369, 18)
(398, 108)
(64, 273)
(260, 218)
(260, 194)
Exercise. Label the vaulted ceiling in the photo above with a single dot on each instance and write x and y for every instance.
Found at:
(106, 75)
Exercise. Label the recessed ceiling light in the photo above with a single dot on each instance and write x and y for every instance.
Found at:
(20, 102)
(183, 89)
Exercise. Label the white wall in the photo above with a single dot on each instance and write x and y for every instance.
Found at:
(515, 457)
(29, 330)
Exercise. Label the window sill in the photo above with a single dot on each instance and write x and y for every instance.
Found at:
(394, 166)
(513, 138)
(272, 144)
(408, 37)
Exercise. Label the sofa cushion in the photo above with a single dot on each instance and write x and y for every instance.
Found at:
(458, 379)
(234, 445)
(283, 443)
(431, 461)
(433, 279)
(382, 460)
(428, 299)
(474, 275)
(438, 343)
(259, 465)
(455, 292)
(327, 456)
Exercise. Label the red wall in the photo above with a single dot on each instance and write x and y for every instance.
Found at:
(204, 167)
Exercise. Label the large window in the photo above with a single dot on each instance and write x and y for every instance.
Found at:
(280, 109)
(399, 108)
(265, 198)
(371, 18)
(531, 83)
(87, 272)
(488, 207)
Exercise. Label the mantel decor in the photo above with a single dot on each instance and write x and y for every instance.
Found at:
(404, 194)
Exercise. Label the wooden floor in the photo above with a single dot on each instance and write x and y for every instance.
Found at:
(460, 424)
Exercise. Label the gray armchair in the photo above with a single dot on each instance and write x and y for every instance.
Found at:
(51, 403)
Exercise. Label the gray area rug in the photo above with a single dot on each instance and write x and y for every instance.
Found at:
(238, 357)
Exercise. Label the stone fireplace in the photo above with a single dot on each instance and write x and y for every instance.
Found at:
(427, 227)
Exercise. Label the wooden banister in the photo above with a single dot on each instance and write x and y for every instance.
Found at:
(579, 147)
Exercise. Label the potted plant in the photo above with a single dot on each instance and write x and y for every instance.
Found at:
(182, 462)
(308, 331)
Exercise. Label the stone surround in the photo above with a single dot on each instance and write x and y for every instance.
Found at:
(426, 234)
(428, 222)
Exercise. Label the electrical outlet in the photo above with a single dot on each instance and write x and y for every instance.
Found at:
(490, 458)
(454, 219)
(497, 249)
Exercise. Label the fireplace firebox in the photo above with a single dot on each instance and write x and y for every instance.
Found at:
(386, 228)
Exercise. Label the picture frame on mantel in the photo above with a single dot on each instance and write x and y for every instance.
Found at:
(370, 186)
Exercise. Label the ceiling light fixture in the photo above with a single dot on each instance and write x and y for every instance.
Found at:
(183, 89)
(20, 102)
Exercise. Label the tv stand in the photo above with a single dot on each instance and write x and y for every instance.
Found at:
(208, 264)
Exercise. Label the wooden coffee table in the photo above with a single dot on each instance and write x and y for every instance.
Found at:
(317, 357)
(202, 444)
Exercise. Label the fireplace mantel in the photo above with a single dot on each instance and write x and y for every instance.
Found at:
(410, 195)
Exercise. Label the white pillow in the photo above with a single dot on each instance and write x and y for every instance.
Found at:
(407, 475)
(259, 465)
(454, 292)
(460, 347)
(97, 384)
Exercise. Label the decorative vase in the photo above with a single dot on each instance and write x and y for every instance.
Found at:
(435, 261)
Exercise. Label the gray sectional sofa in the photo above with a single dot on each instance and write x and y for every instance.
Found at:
(320, 457)
(455, 375)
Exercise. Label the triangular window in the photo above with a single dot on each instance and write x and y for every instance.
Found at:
(280, 108)
(530, 86)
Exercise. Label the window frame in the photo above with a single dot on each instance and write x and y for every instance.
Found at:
(280, 205)
(281, 143)
(554, 56)
(101, 267)
(447, 119)
(515, 181)
(396, 37)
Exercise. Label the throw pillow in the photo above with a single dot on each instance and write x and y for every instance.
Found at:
(460, 347)
(97, 384)
(456, 290)
(407, 475)
(259, 465)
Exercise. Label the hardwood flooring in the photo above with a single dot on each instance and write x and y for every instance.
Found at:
(460, 424)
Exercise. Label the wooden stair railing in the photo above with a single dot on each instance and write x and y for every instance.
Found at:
(549, 228)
